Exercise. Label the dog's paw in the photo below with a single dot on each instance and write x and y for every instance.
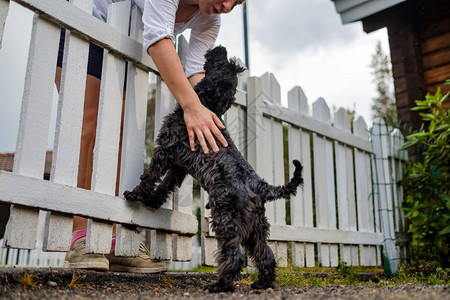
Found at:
(259, 285)
(130, 196)
(218, 288)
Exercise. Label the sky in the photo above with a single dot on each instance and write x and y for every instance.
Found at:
(302, 42)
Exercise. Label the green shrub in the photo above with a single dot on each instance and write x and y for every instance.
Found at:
(427, 182)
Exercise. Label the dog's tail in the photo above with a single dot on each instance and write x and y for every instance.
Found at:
(269, 192)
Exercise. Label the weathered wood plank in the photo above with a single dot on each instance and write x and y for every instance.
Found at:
(34, 124)
(324, 183)
(106, 151)
(133, 138)
(345, 185)
(364, 194)
(330, 236)
(301, 205)
(47, 195)
(58, 228)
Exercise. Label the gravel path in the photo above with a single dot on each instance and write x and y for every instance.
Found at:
(56, 284)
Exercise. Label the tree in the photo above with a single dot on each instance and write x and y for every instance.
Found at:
(384, 104)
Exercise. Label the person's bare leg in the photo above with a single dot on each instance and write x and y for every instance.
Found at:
(87, 143)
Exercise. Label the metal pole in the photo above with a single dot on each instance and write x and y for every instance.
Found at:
(247, 61)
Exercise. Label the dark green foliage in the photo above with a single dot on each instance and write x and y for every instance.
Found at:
(427, 183)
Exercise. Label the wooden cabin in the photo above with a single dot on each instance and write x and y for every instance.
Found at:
(419, 39)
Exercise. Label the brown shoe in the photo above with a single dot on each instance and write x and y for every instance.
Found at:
(138, 264)
(76, 258)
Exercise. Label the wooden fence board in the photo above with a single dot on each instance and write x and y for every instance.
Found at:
(301, 205)
(58, 228)
(324, 184)
(345, 187)
(133, 139)
(47, 195)
(30, 153)
(106, 151)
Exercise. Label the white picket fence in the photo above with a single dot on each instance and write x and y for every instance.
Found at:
(340, 214)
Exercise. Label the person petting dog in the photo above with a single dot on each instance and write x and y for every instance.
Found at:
(163, 20)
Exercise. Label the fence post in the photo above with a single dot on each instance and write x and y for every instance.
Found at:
(133, 140)
(29, 159)
(383, 184)
(324, 184)
(106, 151)
(368, 254)
(58, 226)
(301, 205)
(345, 185)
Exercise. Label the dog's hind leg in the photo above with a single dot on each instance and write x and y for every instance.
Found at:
(230, 258)
(261, 254)
(144, 192)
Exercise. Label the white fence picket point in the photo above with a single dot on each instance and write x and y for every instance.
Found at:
(68, 131)
(259, 133)
(271, 88)
(381, 148)
(299, 148)
(324, 183)
(34, 124)
(297, 100)
(345, 183)
(364, 196)
(243, 77)
(4, 8)
(133, 139)
(106, 151)
(321, 111)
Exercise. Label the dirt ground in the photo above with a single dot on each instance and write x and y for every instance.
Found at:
(69, 284)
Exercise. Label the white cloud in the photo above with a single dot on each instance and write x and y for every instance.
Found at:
(304, 43)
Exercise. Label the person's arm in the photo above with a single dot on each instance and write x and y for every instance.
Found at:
(200, 122)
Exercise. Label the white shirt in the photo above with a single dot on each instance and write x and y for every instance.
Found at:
(158, 17)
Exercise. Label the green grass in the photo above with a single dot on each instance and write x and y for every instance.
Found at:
(345, 275)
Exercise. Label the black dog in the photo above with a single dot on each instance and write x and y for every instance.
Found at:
(236, 193)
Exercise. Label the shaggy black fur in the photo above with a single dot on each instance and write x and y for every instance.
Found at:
(236, 193)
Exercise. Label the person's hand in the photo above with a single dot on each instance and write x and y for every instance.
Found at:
(203, 124)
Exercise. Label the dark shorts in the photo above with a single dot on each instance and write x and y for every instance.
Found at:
(95, 59)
